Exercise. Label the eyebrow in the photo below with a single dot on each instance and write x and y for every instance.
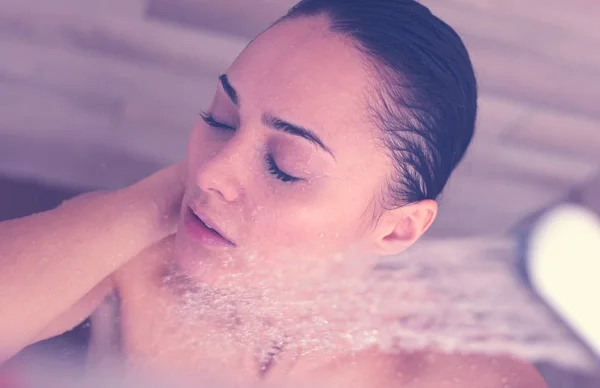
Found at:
(233, 96)
(275, 122)
(296, 130)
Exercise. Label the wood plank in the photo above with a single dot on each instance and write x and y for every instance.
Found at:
(80, 9)
(516, 31)
(101, 99)
(122, 37)
(76, 72)
(537, 60)
(154, 132)
(496, 114)
(491, 154)
(456, 221)
(490, 205)
(512, 196)
(77, 163)
(242, 18)
(26, 109)
(144, 129)
(524, 76)
(564, 133)
(515, 161)
(578, 17)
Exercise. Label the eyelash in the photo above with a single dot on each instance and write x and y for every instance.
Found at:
(277, 173)
(270, 161)
(210, 120)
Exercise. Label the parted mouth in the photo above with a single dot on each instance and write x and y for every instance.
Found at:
(210, 224)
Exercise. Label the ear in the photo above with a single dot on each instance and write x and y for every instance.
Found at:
(399, 228)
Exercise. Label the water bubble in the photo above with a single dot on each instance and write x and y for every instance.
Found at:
(410, 304)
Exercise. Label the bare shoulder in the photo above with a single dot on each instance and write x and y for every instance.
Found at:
(433, 370)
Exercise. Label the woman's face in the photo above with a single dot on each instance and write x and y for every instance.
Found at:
(286, 163)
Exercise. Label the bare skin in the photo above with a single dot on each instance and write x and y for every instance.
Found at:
(240, 164)
(156, 341)
(56, 264)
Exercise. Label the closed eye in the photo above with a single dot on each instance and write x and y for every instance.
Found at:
(276, 171)
(210, 120)
(270, 161)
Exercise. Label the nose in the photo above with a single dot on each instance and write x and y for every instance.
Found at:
(220, 173)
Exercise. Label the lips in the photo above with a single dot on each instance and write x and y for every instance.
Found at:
(206, 230)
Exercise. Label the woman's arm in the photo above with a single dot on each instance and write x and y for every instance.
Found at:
(57, 261)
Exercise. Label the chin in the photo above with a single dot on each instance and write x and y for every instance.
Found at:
(202, 264)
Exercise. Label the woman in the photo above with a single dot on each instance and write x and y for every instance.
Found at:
(327, 142)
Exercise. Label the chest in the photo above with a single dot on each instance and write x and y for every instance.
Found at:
(155, 338)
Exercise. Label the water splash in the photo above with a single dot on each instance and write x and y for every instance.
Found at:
(450, 296)
(453, 297)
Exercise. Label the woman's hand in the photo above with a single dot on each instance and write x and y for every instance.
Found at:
(54, 265)
(149, 208)
(162, 193)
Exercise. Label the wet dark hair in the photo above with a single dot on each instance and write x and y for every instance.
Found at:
(426, 89)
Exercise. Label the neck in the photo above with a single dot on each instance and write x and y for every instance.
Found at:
(305, 315)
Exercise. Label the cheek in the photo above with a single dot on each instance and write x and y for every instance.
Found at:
(307, 225)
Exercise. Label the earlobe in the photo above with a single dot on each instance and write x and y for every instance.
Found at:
(399, 228)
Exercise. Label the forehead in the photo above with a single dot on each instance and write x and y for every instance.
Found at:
(301, 71)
